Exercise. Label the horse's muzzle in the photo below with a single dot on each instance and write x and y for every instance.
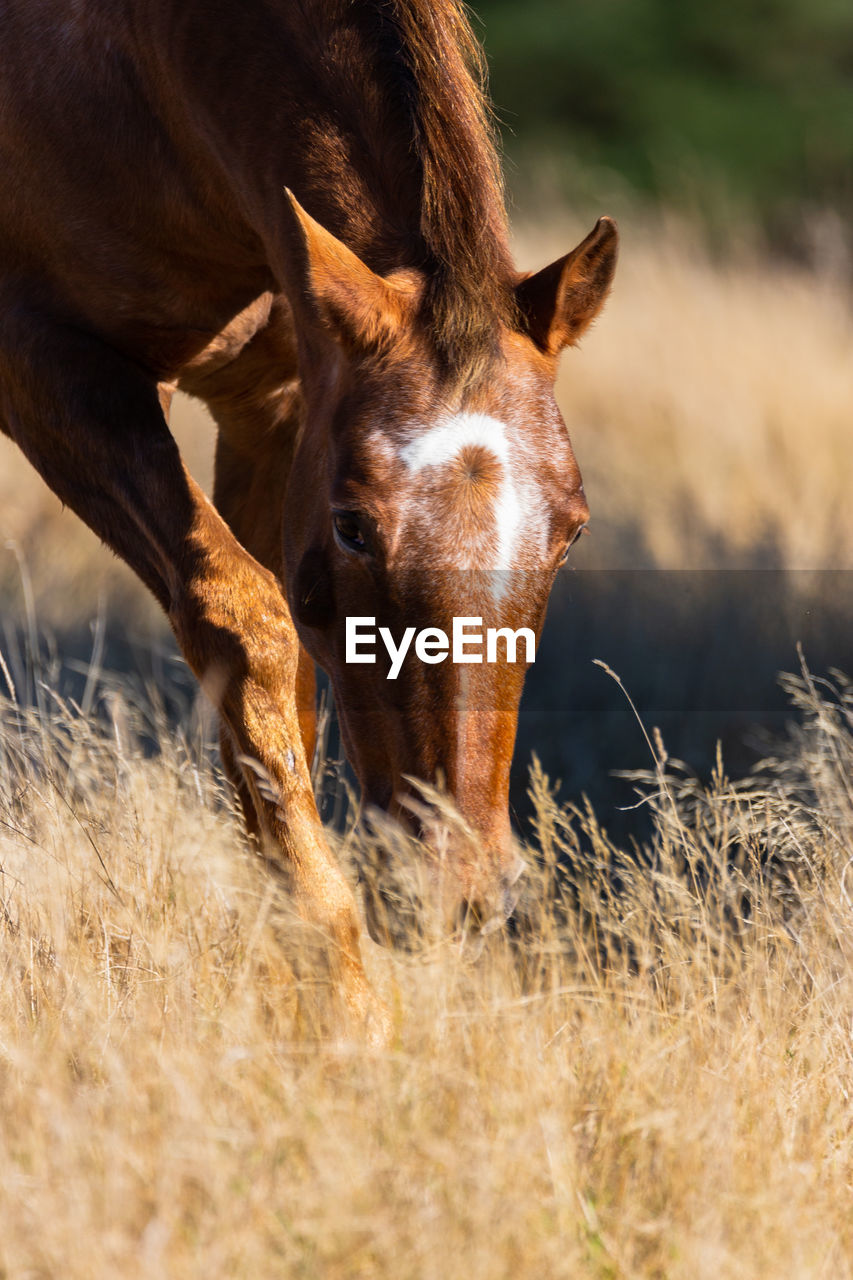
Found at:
(408, 907)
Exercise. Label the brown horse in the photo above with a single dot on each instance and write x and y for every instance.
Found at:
(380, 375)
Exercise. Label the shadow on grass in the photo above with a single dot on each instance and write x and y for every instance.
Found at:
(699, 652)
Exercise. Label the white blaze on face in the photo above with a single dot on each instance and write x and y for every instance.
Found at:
(514, 511)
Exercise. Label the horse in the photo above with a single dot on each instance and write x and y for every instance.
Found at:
(294, 211)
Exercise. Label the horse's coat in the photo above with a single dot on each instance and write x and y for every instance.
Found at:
(150, 239)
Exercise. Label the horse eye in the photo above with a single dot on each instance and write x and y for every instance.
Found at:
(348, 529)
(583, 529)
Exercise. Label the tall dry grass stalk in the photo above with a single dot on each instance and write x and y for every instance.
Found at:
(650, 1076)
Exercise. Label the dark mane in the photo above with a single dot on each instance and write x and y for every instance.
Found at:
(463, 215)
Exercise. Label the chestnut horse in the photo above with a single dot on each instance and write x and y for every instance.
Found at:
(380, 375)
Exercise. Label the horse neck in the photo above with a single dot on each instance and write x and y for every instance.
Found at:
(285, 94)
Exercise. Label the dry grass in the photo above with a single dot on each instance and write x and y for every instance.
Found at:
(651, 1077)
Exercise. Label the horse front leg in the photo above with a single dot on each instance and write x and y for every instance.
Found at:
(249, 381)
(91, 423)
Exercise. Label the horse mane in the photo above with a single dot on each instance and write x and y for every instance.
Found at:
(463, 222)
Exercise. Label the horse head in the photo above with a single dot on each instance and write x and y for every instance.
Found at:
(420, 499)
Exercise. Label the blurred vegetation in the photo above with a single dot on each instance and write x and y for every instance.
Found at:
(742, 106)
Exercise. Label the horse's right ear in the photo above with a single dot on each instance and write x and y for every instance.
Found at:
(559, 302)
(331, 290)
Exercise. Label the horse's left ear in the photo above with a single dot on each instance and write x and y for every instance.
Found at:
(331, 290)
(559, 302)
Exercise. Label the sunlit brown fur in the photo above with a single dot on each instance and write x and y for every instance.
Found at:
(292, 211)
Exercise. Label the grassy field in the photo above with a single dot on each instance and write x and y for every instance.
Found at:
(650, 1076)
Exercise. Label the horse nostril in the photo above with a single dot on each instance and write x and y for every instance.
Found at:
(472, 916)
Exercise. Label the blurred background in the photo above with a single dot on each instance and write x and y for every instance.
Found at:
(741, 111)
(711, 407)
